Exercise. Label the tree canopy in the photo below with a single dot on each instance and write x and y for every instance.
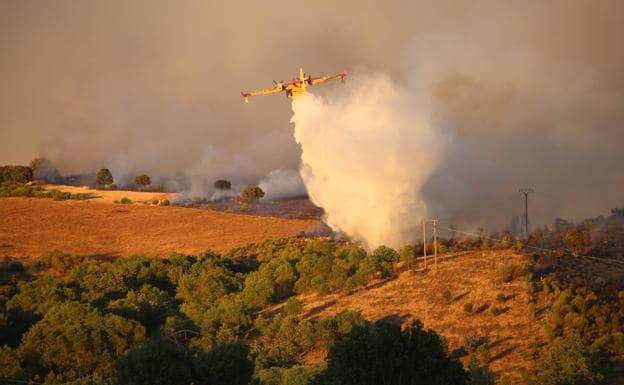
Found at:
(103, 178)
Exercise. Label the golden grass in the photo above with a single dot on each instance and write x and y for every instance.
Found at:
(30, 227)
(109, 196)
(419, 295)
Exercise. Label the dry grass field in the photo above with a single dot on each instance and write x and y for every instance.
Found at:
(109, 196)
(30, 227)
(470, 278)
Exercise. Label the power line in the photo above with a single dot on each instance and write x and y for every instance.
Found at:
(606, 260)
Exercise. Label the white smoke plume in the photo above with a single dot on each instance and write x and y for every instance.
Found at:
(281, 184)
(366, 152)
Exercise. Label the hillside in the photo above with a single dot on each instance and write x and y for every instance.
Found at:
(513, 336)
(31, 227)
(470, 278)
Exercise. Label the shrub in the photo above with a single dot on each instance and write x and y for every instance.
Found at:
(471, 342)
(468, 308)
(479, 375)
(532, 310)
(16, 174)
(165, 202)
(408, 255)
(21, 192)
(59, 195)
(293, 306)
(447, 296)
(496, 310)
(142, 180)
(500, 297)
(125, 201)
(567, 362)
(483, 355)
(510, 271)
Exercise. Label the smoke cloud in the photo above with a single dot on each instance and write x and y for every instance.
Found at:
(366, 152)
(280, 184)
(458, 139)
(479, 99)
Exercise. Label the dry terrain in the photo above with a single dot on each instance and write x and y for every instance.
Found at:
(30, 227)
(470, 278)
(109, 196)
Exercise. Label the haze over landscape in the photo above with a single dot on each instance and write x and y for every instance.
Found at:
(518, 96)
(312, 193)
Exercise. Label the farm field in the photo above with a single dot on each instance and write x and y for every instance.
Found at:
(31, 227)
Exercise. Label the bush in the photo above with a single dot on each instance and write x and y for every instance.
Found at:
(468, 308)
(142, 180)
(500, 297)
(125, 201)
(447, 296)
(567, 362)
(16, 174)
(496, 310)
(532, 310)
(471, 343)
(408, 255)
(510, 271)
(165, 202)
(59, 195)
(293, 306)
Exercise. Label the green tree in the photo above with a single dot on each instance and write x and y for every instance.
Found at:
(567, 362)
(142, 180)
(382, 353)
(222, 184)
(293, 306)
(160, 361)
(103, 178)
(17, 174)
(77, 340)
(251, 194)
(148, 305)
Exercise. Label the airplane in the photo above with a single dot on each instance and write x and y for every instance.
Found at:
(295, 88)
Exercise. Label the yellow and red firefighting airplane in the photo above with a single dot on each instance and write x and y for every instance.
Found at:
(296, 88)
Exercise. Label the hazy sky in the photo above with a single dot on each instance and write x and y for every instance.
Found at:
(75, 71)
(153, 86)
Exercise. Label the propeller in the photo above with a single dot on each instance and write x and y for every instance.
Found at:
(342, 75)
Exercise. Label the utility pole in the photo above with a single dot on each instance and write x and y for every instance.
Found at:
(435, 241)
(435, 238)
(526, 191)
(425, 241)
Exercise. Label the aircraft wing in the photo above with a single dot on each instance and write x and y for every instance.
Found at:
(322, 79)
(268, 91)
